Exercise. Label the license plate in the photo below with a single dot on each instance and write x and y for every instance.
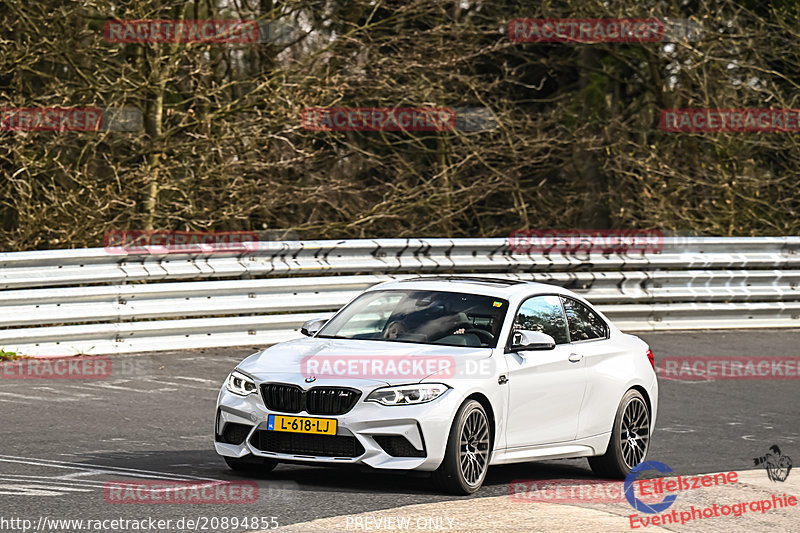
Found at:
(298, 424)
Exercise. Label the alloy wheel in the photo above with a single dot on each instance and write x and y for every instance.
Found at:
(634, 433)
(473, 450)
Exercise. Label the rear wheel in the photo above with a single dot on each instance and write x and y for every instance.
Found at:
(250, 464)
(466, 458)
(630, 438)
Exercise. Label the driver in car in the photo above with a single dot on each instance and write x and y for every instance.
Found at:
(434, 322)
(398, 327)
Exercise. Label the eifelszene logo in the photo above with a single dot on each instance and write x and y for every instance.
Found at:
(777, 465)
(636, 503)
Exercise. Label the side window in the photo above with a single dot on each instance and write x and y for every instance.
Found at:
(584, 324)
(543, 313)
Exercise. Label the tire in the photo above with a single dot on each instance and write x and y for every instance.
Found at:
(470, 426)
(629, 441)
(250, 464)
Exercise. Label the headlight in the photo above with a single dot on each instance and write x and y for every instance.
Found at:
(240, 384)
(407, 394)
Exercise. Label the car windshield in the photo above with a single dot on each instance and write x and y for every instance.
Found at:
(423, 317)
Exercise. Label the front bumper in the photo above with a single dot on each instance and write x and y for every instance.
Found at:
(425, 427)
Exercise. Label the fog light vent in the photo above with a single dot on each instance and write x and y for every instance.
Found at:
(398, 446)
(234, 433)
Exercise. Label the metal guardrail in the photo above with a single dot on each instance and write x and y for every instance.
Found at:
(66, 302)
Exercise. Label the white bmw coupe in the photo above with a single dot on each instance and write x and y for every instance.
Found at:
(446, 374)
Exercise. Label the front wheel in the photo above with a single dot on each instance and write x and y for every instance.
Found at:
(630, 438)
(466, 458)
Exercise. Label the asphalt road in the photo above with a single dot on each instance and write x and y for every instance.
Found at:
(61, 441)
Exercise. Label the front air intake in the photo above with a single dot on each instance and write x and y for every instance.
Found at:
(234, 433)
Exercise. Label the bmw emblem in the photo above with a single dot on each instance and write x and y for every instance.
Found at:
(312, 379)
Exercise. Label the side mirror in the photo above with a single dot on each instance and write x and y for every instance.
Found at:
(524, 340)
(311, 327)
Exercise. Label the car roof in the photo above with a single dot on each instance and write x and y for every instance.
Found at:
(474, 284)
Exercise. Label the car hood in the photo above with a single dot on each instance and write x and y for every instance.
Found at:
(291, 362)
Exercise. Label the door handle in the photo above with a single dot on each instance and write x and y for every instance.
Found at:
(575, 357)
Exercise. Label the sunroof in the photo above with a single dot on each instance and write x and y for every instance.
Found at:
(469, 279)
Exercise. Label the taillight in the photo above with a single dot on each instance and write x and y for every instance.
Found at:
(651, 358)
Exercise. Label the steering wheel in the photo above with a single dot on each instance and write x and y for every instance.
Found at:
(393, 330)
(485, 336)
